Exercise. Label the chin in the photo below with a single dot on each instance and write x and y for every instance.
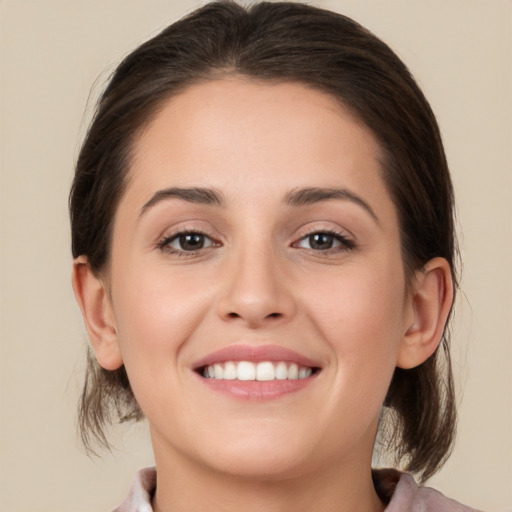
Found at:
(263, 465)
(263, 454)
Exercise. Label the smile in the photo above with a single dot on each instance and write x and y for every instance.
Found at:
(261, 371)
(257, 372)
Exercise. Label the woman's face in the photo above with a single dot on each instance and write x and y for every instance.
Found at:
(256, 240)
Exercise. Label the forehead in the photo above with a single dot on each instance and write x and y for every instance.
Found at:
(224, 133)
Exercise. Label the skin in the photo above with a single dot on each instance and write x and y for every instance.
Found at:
(158, 309)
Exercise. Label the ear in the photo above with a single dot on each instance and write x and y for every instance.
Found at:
(430, 303)
(93, 299)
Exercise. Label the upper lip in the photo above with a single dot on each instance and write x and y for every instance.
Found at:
(255, 354)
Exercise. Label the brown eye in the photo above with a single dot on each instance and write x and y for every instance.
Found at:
(319, 241)
(189, 242)
(325, 241)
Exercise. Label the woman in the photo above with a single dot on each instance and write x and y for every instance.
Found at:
(262, 220)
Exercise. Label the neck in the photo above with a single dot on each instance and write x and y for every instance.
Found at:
(184, 486)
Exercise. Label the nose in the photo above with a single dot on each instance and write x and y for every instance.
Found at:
(257, 292)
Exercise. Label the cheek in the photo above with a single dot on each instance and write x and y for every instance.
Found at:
(156, 313)
(362, 320)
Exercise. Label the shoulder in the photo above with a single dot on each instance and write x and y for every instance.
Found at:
(141, 492)
(403, 494)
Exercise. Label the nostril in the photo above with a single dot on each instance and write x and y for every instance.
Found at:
(270, 315)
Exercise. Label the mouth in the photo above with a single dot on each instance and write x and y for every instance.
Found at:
(260, 372)
(257, 371)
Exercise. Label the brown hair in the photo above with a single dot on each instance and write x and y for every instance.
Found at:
(329, 52)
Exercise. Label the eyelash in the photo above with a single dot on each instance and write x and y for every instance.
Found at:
(164, 243)
(345, 244)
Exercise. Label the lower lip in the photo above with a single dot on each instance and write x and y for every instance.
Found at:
(257, 390)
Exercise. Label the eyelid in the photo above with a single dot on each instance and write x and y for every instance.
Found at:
(346, 239)
(162, 243)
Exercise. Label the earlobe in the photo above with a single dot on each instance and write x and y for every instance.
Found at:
(93, 299)
(430, 302)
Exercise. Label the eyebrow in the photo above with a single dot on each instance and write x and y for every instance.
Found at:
(197, 195)
(311, 195)
(296, 197)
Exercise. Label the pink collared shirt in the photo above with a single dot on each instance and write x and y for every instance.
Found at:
(398, 489)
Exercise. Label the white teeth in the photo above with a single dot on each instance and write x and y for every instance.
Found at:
(304, 372)
(230, 371)
(293, 371)
(263, 371)
(281, 371)
(218, 371)
(246, 371)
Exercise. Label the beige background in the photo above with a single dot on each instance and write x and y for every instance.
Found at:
(51, 52)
